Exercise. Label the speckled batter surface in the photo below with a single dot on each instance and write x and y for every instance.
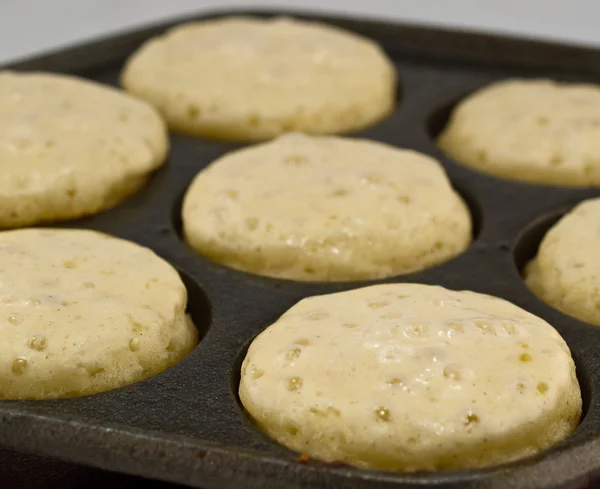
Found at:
(70, 147)
(82, 312)
(325, 208)
(566, 271)
(250, 79)
(538, 131)
(409, 377)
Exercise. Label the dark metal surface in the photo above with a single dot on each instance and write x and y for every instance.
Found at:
(186, 425)
(27, 471)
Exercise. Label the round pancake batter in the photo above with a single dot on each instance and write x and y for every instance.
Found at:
(411, 377)
(244, 78)
(566, 271)
(82, 312)
(324, 208)
(70, 147)
(537, 131)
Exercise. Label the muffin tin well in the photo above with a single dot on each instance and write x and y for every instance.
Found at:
(186, 425)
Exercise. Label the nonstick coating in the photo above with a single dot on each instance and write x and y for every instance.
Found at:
(186, 425)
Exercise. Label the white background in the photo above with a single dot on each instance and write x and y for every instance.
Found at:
(32, 26)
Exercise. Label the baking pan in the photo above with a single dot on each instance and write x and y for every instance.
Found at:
(27, 471)
(186, 425)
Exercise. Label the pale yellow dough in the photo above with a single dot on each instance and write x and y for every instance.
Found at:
(82, 312)
(325, 208)
(246, 78)
(537, 131)
(411, 377)
(566, 271)
(70, 147)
